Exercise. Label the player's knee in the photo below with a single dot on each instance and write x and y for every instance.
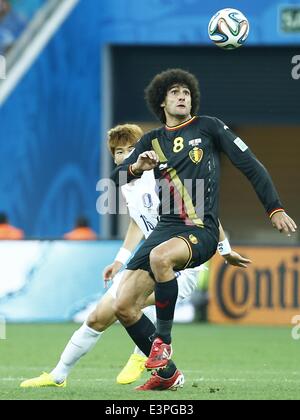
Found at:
(95, 322)
(159, 260)
(123, 311)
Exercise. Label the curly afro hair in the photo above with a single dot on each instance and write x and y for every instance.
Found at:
(156, 91)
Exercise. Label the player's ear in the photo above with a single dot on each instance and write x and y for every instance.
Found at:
(163, 104)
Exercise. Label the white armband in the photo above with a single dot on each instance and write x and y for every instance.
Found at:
(224, 247)
(123, 256)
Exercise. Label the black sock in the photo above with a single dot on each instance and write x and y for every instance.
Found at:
(169, 371)
(165, 299)
(142, 333)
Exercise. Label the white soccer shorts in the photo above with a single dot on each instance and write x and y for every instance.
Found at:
(187, 282)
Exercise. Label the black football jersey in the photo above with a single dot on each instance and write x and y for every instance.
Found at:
(188, 173)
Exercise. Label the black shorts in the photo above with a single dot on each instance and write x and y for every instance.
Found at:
(201, 242)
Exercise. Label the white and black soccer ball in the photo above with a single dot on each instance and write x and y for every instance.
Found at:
(228, 29)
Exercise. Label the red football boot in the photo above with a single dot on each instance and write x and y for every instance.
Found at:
(156, 383)
(160, 354)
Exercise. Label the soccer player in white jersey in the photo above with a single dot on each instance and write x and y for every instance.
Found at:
(142, 202)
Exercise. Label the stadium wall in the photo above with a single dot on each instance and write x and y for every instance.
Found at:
(57, 281)
(244, 218)
(267, 293)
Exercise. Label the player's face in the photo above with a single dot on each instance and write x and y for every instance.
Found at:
(122, 152)
(178, 103)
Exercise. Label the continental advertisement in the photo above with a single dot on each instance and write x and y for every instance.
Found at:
(266, 293)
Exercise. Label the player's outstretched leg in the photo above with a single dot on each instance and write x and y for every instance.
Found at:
(81, 343)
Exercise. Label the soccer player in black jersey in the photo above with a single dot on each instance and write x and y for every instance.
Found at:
(185, 150)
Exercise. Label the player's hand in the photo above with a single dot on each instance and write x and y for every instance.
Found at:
(237, 260)
(284, 223)
(110, 271)
(146, 162)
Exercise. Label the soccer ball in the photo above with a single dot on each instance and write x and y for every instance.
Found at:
(228, 29)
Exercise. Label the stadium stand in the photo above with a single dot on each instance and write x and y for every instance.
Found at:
(14, 17)
(7, 231)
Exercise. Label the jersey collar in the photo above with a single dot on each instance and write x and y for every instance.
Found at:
(177, 127)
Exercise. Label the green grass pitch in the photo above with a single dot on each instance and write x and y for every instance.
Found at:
(219, 362)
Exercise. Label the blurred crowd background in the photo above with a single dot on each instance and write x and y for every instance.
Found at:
(15, 15)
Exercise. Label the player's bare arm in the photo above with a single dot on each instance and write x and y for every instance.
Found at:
(132, 239)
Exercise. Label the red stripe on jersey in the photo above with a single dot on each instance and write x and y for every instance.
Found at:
(178, 200)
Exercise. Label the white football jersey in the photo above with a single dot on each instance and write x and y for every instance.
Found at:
(142, 202)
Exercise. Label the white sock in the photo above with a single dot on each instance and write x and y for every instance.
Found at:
(150, 312)
(82, 342)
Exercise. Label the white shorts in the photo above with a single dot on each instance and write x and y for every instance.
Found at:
(187, 282)
(115, 285)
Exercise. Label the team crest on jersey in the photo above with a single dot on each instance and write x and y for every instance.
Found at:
(196, 155)
(193, 239)
(147, 200)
